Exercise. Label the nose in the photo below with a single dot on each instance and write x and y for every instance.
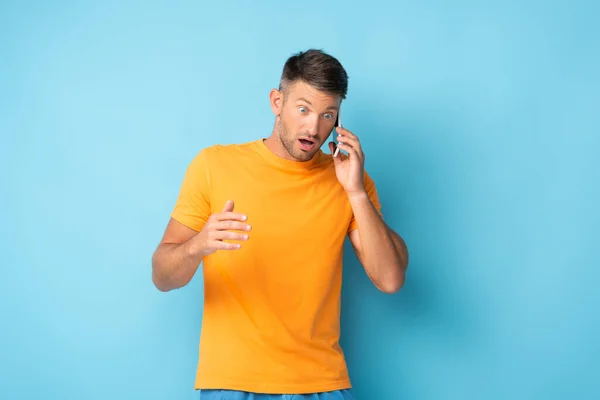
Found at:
(312, 125)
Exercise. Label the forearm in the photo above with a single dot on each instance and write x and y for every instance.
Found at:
(174, 264)
(383, 252)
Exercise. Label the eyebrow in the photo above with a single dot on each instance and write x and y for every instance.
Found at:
(310, 104)
(304, 100)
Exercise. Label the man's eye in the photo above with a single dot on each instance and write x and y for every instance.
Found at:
(328, 116)
(303, 110)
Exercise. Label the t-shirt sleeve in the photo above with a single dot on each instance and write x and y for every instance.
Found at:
(192, 207)
(372, 192)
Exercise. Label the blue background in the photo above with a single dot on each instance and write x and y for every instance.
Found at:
(480, 123)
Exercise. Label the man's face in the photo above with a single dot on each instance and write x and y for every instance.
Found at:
(307, 117)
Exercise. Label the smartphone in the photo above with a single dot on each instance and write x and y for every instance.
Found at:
(338, 122)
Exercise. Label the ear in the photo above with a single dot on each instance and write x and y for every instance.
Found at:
(276, 99)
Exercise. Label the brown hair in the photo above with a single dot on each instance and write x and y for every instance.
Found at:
(317, 69)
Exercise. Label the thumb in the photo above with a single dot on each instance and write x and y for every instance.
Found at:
(332, 148)
(228, 206)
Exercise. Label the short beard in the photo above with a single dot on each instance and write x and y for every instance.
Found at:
(289, 143)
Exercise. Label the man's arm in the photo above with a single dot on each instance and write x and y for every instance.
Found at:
(177, 257)
(381, 251)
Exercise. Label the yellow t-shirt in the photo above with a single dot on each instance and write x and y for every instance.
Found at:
(271, 320)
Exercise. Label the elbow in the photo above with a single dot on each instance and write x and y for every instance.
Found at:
(165, 282)
(158, 278)
(392, 286)
(158, 283)
(396, 270)
(388, 280)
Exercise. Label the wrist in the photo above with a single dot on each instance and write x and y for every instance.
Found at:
(357, 195)
(196, 248)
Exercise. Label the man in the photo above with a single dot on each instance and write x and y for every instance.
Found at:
(268, 220)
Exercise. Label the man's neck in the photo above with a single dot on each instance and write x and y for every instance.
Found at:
(274, 144)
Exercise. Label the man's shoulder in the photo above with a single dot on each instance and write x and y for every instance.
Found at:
(220, 150)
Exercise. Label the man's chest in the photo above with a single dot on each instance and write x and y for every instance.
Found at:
(304, 210)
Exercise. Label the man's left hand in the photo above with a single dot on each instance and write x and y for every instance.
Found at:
(349, 169)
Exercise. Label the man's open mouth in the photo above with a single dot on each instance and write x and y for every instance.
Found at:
(306, 144)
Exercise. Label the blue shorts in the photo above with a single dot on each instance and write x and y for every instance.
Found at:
(213, 394)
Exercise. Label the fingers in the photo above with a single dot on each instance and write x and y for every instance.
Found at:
(228, 213)
(351, 150)
(228, 235)
(218, 239)
(226, 226)
(230, 216)
(228, 206)
(345, 133)
(349, 142)
(227, 229)
(352, 141)
(232, 226)
(218, 245)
